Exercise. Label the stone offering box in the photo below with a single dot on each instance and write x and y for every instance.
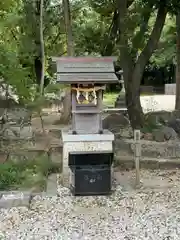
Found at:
(87, 77)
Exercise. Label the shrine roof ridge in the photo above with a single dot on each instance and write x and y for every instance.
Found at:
(84, 59)
(86, 77)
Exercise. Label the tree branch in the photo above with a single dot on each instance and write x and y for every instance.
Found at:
(13, 34)
(152, 42)
(112, 35)
(68, 25)
(137, 41)
(130, 2)
(57, 37)
(113, 32)
(126, 59)
(42, 47)
(177, 105)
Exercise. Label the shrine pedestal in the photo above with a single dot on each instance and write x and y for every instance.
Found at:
(85, 143)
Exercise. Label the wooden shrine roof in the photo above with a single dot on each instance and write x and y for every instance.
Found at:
(85, 69)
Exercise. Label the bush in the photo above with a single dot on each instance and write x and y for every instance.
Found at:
(151, 124)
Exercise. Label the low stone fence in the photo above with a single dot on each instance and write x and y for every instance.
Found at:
(152, 89)
(149, 149)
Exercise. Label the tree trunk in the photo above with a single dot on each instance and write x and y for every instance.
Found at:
(133, 103)
(68, 25)
(66, 114)
(177, 105)
(133, 69)
(42, 48)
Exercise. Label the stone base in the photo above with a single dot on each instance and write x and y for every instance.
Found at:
(83, 143)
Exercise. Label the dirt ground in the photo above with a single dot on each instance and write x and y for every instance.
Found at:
(157, 180)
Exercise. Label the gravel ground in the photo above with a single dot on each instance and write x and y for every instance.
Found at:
(152, 212)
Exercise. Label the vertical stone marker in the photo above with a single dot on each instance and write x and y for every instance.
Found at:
(137, 155)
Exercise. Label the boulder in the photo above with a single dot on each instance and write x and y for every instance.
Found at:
(175, 124)
(164, 134)
(176, 114)
(115, 121)
(169, 133)
(159, 116)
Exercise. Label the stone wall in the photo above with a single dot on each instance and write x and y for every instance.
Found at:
(170, 89)
(150, 149)
(23, 138)
(146, 89)
(27, 151)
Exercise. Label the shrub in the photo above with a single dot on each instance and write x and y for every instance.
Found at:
(17, 174)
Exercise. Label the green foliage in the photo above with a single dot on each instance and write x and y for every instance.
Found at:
(104, 7)
(150, 125)
(90, 30)
(109, 99)
(152, 122)
(92, 24)
(54, 88)
(26, 173)
(12, 72)
(166, 52)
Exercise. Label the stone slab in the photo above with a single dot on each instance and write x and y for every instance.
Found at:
(69, 137)
(51, 188)
(15, 199)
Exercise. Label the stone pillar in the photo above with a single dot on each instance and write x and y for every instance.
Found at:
(121, 101)
(84, 143)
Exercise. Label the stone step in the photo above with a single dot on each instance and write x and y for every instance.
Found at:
(15, 199)
(51, 188)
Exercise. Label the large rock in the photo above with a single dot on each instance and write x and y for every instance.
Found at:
(164, 134)
(169, 133)
(175, 124)
(176, 114)
(159, 116)
(114, 122)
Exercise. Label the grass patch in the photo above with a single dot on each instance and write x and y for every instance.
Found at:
(109, 99)
(26, 174)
